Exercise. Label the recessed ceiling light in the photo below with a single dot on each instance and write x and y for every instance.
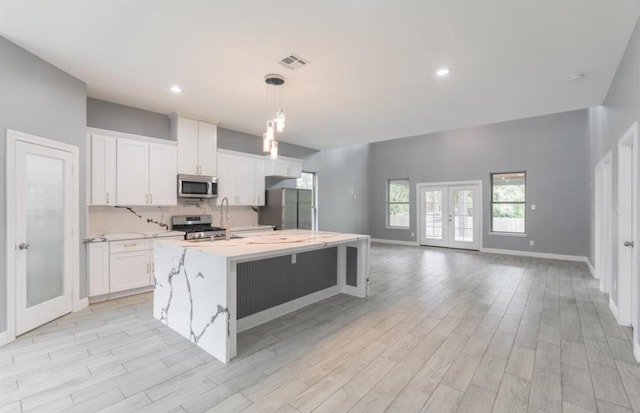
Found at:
(176, 89)
(443, 71)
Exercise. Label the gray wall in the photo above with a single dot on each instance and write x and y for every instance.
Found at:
(343, 188)
(552, 149)
(621, 108)
(121, 118)
(37, 98)
(112, 116)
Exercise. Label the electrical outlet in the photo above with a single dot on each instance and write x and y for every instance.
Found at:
(293, 258)
(533, 207)
(413, 234)
(531, 243)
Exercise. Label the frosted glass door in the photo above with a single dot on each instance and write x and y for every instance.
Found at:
(43, 194)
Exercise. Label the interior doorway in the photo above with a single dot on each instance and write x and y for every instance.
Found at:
(603, 223)
(450, 214)
(42, 231)
(628, 256)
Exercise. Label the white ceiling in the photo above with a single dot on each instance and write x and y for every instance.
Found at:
(373, 62)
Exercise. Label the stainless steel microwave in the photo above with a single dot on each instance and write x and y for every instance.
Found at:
(197, 186)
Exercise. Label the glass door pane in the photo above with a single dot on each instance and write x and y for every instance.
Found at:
(45, 227)
(463, 215)
(433, 214)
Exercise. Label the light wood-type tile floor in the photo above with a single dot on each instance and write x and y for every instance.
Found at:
(442, 331)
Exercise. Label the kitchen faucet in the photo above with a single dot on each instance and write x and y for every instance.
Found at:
(225, 222)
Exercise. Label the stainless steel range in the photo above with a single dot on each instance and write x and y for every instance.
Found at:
(196, 227)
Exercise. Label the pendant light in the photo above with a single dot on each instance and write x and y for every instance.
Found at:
(276, 124)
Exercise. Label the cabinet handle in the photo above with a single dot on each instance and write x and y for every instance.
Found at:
(153, 268)
(147, 268)
(130, 245)
(151, 198)
(107, 197)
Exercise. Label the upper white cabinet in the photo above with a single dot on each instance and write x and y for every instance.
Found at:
(146, 173)
(283, 167)
(240, 178)
(103, 170)
(197, 143)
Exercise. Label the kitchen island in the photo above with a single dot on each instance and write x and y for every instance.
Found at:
(209, 291)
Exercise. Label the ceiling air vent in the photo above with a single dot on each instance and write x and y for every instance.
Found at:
(293, 62)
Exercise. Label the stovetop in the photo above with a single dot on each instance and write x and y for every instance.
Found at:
(196, 227)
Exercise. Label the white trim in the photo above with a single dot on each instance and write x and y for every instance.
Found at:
(13, 136)
(614, 309)
(80, 304)
(116, 134)
(509, 234)
(407, 228)
(286, 308)
(592, 269)
(575, 258)
(395, 242)
(636, 351)
(4, 338)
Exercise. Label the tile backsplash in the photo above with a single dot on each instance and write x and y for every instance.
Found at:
(107, 219)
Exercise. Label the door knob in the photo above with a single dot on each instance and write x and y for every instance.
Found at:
(23, 246)
(628, 244)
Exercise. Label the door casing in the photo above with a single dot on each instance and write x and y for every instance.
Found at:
(12, 138)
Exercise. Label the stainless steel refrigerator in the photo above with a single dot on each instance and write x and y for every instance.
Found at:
(287, 209)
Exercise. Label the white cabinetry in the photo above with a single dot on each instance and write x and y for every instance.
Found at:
(197, 143)
(129, 265)
(146, 173)
(103, 170)
(240, 178)
(283, 167)
(98, 268)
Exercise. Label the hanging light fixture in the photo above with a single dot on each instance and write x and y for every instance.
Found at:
(276, 124)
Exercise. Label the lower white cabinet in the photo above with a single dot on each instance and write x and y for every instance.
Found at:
(130, 264)
(98, 268)
(121, 265)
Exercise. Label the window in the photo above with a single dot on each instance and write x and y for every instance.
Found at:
(508, 202)
(398, 203)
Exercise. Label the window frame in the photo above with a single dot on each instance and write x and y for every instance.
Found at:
(389, 203)
(523, 203)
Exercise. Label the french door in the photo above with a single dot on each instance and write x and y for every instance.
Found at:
(450, 215)
(43, 212)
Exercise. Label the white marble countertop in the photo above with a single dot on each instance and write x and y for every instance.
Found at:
(266, 243)
(249, 228)
(121, 236)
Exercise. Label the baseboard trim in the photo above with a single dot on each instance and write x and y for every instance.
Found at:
(592, 269)
(4, 338)
(394, 242)
(614, 309)
(545, 255)
(81, 304)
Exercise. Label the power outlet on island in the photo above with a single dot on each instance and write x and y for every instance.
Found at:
(531, 243)
(293, 258)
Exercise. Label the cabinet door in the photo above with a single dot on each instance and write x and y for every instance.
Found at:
(98, 268)
(207, 147)
(163, 184)
(132, 172)
(187, 131)
(227, 179)
(128, 270)
(258, 173)
(246, 181)
(103, 170)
